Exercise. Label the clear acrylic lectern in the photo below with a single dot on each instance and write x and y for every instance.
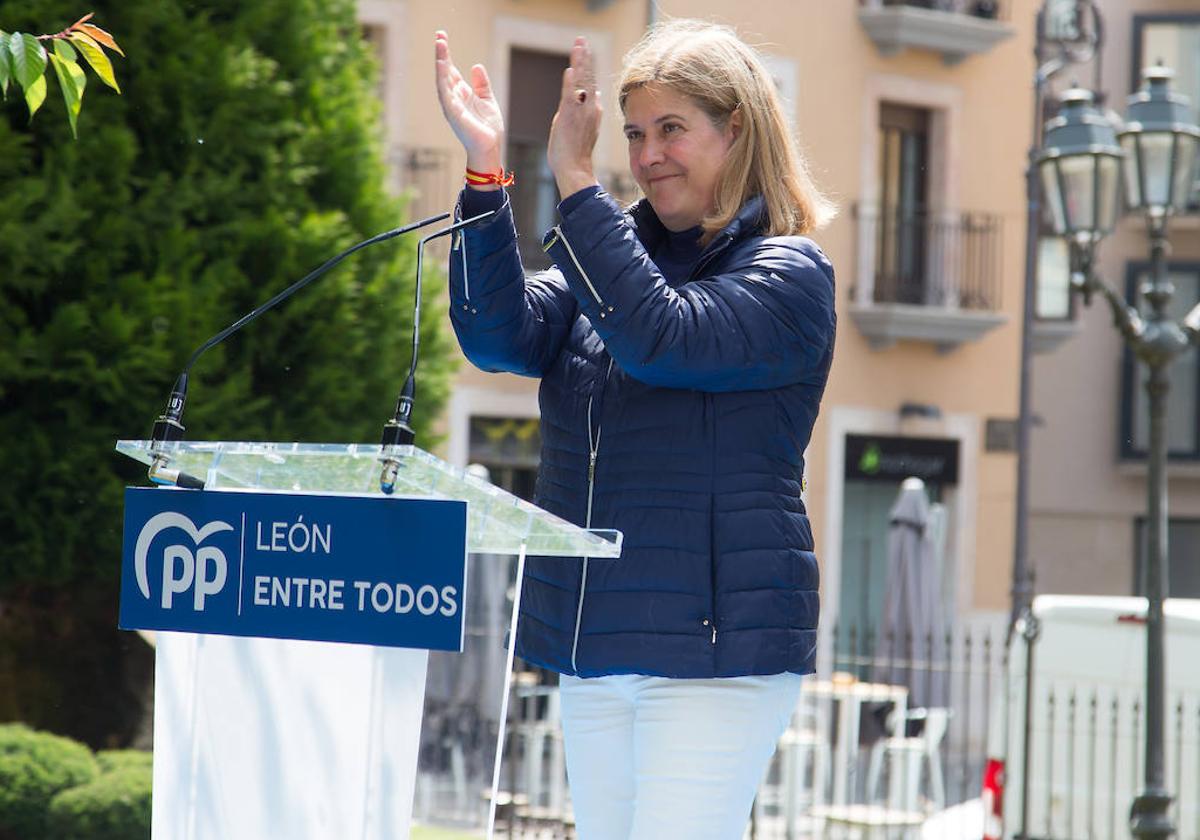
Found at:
(263, 738)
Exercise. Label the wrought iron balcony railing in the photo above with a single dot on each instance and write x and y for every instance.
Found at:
(985, 9)
(422, 173)
(932, 258)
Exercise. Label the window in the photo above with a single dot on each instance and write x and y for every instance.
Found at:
(535, 81)
(510, 447)
(1183, 546)
(903, 204)
(1183, 422)
(1174, 40)
(1062, 20)
(376, 38)
(1053, 301)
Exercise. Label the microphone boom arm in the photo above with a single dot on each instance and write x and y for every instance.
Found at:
(169, 425)
(398, 431)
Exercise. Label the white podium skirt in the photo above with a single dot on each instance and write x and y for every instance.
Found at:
(258, 739)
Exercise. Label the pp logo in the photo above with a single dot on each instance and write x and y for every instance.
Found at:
(204, 571)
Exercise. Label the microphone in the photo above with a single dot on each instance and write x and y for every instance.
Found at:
(169, 428)
(398, 431)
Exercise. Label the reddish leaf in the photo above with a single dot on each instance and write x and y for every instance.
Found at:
(101, 36)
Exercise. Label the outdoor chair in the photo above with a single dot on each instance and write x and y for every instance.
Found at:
(790, 789)
(537, 733)
(907, 756)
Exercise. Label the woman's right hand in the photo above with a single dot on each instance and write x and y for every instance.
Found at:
(471, 109)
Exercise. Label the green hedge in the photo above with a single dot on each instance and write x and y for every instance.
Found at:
(110, 760)
(116, 806)
(34, 767)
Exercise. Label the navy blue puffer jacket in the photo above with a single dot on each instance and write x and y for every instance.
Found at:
(679, 416)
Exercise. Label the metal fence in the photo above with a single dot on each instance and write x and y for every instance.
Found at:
(895, 729)
(856, 746)
(1087, 761)
(892, 736)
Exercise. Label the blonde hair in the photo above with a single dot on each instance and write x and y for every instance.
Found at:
(722, 75)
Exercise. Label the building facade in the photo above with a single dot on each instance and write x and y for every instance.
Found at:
(915, 119)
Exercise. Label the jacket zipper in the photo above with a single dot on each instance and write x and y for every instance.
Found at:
(558, 234)
(459, 244)
(711, 621)
(709, 256)
(593, 449)
(462, 247)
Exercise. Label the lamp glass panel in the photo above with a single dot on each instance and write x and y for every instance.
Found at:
(1109, 187)
(1132, 167)
(1052, 196)
(1156, 149)
(1079, 186)
(1184, 164)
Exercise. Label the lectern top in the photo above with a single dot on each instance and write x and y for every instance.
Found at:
(497, 521)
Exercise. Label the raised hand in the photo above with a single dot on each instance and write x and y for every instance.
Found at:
(470, 109)
(576, 125)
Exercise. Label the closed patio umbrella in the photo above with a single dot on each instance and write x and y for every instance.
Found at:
(912, 644)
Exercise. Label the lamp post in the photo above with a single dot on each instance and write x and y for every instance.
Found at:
(1078, 165)
(1067, 32)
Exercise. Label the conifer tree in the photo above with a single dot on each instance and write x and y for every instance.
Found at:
(243, 152)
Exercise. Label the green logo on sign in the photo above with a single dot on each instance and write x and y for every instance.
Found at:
(869, 462)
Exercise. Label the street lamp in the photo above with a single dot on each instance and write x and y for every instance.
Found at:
(1079, 164)
(1160, 141)
(1067, 33)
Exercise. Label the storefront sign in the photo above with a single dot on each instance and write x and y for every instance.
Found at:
(893, 459)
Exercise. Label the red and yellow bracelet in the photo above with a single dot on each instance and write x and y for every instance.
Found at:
(479, 179)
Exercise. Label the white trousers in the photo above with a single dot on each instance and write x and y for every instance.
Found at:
(651, 758)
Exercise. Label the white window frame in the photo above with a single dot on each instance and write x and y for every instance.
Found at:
(945, 104)
(390, 17)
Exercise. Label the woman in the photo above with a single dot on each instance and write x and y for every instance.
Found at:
(683, 348)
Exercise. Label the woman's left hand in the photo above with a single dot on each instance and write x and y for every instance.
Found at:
(576, 125)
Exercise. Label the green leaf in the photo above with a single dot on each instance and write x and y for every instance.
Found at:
(72, 81)
(95, 57)
(35, 95)
(28, 59)
(5, 64)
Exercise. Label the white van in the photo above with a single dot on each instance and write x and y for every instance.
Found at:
(1087, 735)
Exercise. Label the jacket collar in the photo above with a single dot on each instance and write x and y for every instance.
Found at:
(651, 231)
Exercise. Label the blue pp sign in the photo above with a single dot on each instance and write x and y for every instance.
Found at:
(371, 570)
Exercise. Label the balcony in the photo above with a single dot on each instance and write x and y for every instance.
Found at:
(930, 276)
(423, 175)
(955, 28)
(534, 197)
(430, 178)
